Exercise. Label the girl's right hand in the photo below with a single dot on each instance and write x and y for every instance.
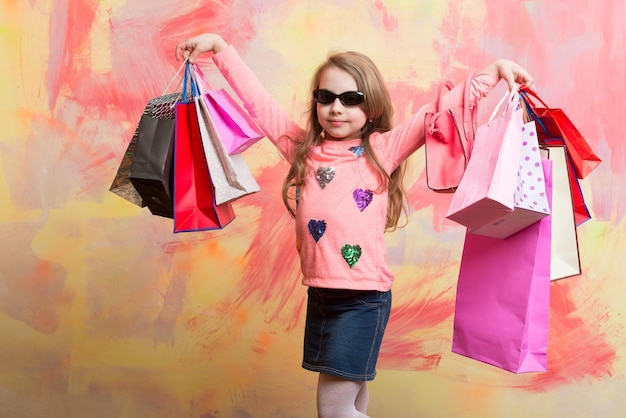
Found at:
(193, 47)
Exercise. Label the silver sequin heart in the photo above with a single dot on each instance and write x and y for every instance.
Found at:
(325, 175)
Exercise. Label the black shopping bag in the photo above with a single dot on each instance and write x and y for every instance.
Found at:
(161, 107)
(151, 172)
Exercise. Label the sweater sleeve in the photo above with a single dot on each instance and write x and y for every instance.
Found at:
(398, 144)
(260, 105)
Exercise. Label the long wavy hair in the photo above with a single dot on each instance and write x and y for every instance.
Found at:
(379, 111)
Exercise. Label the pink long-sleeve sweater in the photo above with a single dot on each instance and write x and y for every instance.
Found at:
(341, 211)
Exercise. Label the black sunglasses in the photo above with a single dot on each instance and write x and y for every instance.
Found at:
(348, 98)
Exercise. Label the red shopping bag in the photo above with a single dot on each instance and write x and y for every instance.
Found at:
(555, 123)
(194, 197)
(502, 303)
(449, 138)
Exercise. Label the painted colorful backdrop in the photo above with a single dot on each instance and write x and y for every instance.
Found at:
(104, 312)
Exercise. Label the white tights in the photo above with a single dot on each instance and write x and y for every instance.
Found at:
(341, 398)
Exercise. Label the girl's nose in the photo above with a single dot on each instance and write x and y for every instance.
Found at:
(336, 105)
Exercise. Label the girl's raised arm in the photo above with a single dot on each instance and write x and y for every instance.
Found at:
(193, 47)
(260, 105)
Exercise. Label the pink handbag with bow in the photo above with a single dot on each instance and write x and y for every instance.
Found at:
(449, 138)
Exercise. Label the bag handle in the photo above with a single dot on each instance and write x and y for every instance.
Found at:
(174, 78)
(444, 88)
(507, 94)
(530, 109)
(203, 84)
(469, 116)
(525, 90)
(189, 84)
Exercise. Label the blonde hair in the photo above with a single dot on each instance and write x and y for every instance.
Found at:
(379, 111)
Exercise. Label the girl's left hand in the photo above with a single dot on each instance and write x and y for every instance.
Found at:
(511, 72)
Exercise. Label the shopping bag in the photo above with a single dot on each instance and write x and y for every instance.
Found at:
(564, 251)
(502, 303)
(121, 184)
(449, 138)
(151, 169)
(236, 129)
(553, 123)
(581, 211)
(161, 107)
(502, 190)
(230, 174)
(195, 208)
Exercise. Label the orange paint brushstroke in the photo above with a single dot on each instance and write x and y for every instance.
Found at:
(33, 290)
(578, 348)
(71, 23)
(404, 343)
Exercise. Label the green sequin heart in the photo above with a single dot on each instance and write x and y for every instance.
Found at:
(351, 253)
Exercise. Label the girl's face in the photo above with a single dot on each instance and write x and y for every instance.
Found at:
(340, 121)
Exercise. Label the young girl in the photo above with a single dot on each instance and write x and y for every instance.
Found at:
(344, 190)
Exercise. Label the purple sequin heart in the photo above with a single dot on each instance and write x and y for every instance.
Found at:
(317, 228)
(362, 198)
(325, 175)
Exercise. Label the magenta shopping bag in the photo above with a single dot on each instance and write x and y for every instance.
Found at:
(235, 128)
(503, 297)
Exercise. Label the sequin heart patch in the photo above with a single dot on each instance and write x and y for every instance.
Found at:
(317, 228)
(362, 198)
(358, 150)
(325, 175)
(351, 253)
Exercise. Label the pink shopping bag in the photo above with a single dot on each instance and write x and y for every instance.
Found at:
(235, 128)
(503, 297)
(503, 190)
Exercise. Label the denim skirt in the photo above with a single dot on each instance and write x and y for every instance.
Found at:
(344, 330)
